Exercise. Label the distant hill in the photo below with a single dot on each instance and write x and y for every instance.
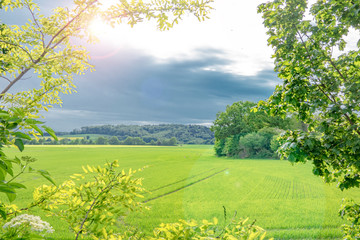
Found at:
(185, 134)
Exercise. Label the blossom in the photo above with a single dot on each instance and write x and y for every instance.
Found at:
(34, 222)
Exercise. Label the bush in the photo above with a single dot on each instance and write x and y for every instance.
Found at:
(219, 146)
(231, 147)
(92, 202)
(351, 211)
(237, 229)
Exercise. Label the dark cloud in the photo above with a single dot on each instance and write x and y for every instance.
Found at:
(132, 87)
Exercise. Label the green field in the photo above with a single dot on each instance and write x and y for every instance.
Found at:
(189, 182)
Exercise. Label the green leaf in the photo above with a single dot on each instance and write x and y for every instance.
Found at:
(46, 175)
(11, 196)
(51, 132)
(7, 168)
(30, 169)
(12, 125)
(6, 189)
(19, 143)
(16, 160)
(17, 185)
(33, 121)
(4, 115)
(3, 213)
(2, 175)
(21, 135)
(37, 129)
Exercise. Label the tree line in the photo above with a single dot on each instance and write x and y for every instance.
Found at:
(113, 140)
(184, 134)
(242, 132)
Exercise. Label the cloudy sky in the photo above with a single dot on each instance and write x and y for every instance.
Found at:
(185, 75)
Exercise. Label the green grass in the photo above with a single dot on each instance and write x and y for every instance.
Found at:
(189, 182)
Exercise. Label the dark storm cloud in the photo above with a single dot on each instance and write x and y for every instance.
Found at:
(132, 87)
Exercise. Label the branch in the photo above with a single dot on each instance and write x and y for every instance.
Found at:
(320, 86)
(27, 208)
(107, 188)
(68, 23)
(13, 82)
(37, 24)
(6, 78)
(331, 62)
(44, 52)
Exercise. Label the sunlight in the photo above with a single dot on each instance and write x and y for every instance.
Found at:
(98, 27)
(105, 4)
(102, 30)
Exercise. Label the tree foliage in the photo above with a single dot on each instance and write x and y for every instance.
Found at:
(93, 207)
(237, 229)
(241, 132)
(12, 123)
(239, 119)
(321, 83)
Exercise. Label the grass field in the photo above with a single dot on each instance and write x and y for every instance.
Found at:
(189, 182)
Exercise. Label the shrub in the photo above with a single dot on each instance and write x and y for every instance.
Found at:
(352, 212)
(219, 146)
(91, 203)
(237, 229)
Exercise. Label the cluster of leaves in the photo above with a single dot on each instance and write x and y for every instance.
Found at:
(321, 84)
(237, 229)
(241, 132)
(93, 202)
(351, 211)
(15, 128)
(320, 88)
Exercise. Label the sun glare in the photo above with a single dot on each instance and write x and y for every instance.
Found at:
(105, 4)
(98, 27)
(103, 31)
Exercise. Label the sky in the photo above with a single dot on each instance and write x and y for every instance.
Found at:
(185, 75)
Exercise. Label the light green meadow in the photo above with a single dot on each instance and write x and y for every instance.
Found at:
(189, 182)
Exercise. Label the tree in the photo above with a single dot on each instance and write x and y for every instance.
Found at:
(259, 144)
(134, 141)
(321, 85)
(173, 141)
(101, 141)
(239, 119)
(114, 141)
(233, 120)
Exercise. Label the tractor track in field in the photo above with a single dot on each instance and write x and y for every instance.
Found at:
(185, 186)
(182, 180)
